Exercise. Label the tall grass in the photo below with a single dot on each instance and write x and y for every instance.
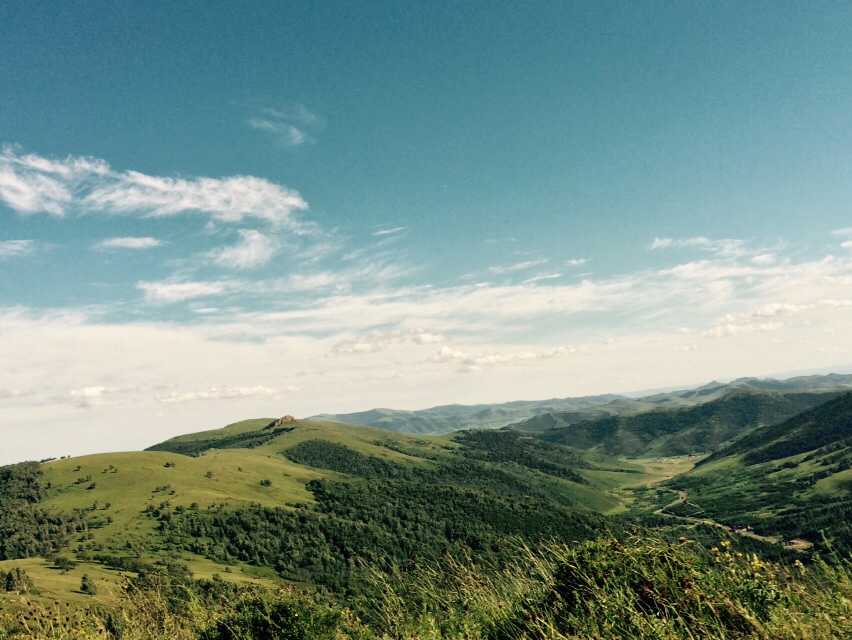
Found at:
(640, 587)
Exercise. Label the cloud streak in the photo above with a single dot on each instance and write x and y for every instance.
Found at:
(390, 231)
(289, 125)
(16, 248)
(31, 184)
(132, 243)
(727, 247)
(169, 292)
(517, 266)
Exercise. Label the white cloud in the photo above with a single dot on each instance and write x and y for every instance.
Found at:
(287, 134)
(735, 328)
(846, 232)
(254, 250)
(133, 243)
(542, 277)
(16, 248)
(168, 291)
(288, 125)
(727, 247)
(219, 393)
(765, 259)
(475, 362)
(517, 266)
(575, 262)
(389, 231)
(847, 244)
(376, 341)
(34, 184)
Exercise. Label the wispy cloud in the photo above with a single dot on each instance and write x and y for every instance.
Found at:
(16, 248)
(542, 277)
(389, 231)
(845, 232)
(728, 247)
(575, 262)
(475, 362)
(167, 292)
(254, 249)
(32, 184)
(376, 341)
(220, 393)
(764, 259)
(133, 243)
(289, 125)
(517, 266)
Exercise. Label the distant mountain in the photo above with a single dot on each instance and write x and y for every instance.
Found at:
(456, 417)
(676, 431)
(568, 411)
(793, 478)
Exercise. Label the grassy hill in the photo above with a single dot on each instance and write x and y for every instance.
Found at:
(793, 479)
(221, 501)
(679, 431)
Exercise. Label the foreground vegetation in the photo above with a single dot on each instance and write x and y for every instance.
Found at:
(640, 587)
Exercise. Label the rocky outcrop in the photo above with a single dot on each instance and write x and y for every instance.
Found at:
(282, 421)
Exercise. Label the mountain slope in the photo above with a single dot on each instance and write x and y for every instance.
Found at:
(827, 424)
(668, 432)
(793, 479)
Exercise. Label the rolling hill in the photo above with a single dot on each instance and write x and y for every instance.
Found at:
(265, 500)
(792, 479)
(674, 431)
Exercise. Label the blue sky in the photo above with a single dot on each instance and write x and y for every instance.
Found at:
(211, 211)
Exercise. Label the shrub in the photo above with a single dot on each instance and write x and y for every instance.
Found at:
(87, 585)
(16, 580)
(274, 616)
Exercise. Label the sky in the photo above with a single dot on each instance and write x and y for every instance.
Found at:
(212, 211)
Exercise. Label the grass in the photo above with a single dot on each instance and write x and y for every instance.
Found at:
(640, 588)
(54, 585)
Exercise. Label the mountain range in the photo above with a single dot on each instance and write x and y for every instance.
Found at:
(565, 411)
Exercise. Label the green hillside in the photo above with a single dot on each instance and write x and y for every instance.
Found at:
(221, 502)
(792, 479)
(680, 431)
